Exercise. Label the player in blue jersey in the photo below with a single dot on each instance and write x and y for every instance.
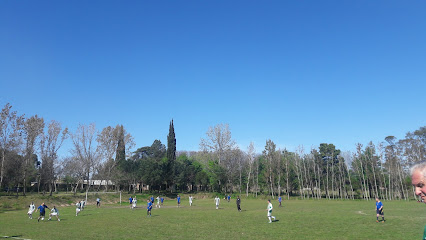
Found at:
(152, 199)
(42, 209)
(162, 200)
(178, 201)
(148, 208)
(379, 210)
(229, 198)
(279, 200)
(130, 201)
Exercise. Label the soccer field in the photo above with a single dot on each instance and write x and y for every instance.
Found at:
(297, 219)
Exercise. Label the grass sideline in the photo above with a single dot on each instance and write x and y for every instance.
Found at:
(297, 219)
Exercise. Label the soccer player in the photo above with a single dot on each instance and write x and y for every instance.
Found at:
(379, 210)
(31, 210)
(134, 201)
(130, 201)
(269, 209)
(190, 200)
(158, 202)
(54, 212)
(152, 200)
(83, 204)
(78, 208)
(42, 209)
(162, 200)
(238, 203)
(178, 200)
(418, 179)
(279, 200)
(217, 201)
(148, 208)
(98, 202)
(229, 198)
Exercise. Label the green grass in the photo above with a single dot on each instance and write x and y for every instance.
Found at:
(297, 219)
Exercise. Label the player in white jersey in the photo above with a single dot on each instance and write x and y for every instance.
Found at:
(54, 212)
(134, 201)
(158, 202)
(190, 200)
(217, 201)
(78, 208)
(31, 210)
(83, 204)
(269, 209)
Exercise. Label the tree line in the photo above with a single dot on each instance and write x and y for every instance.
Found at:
(29, 161)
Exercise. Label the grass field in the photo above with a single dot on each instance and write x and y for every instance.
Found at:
(297, 219)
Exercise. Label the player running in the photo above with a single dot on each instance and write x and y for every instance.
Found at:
(158, 202)
(239, 203)
(190, 200)
(31, 210)
(42, 209)
(162, 201)
(178, 201)
(148, 208)
(54, 212)
(379, 210)
(98, 202)
(269, 209)
(77, 208)
(279, 200)
(217, 201)
(134, 201)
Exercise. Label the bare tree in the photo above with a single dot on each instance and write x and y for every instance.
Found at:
(270, 155)
(218, 141)
(84, 150)
(10, 131)
(107, 145)
(33, 128)
(50, 143)
(250, 161)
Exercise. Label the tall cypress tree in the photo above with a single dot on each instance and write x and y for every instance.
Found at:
(121, 147)
(171, 155)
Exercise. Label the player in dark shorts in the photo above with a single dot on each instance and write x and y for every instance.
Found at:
(42, 209)
(239, 203)
(379, 210)
(148, 208)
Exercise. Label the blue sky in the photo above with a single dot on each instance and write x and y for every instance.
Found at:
(295, 72)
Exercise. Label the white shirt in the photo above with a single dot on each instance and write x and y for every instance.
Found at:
(158, 200)
(32, 208)
(190, 199)
(217, 200)
(270, 207)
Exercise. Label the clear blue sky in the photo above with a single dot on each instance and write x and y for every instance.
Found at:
(296, 72)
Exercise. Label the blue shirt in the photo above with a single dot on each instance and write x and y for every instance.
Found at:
(130, 199)
(42, 208)
(279, 199)
(178, 199)
(229, 197)
(162, 199)
(379, 205)
(149, 206)
(152, 199)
